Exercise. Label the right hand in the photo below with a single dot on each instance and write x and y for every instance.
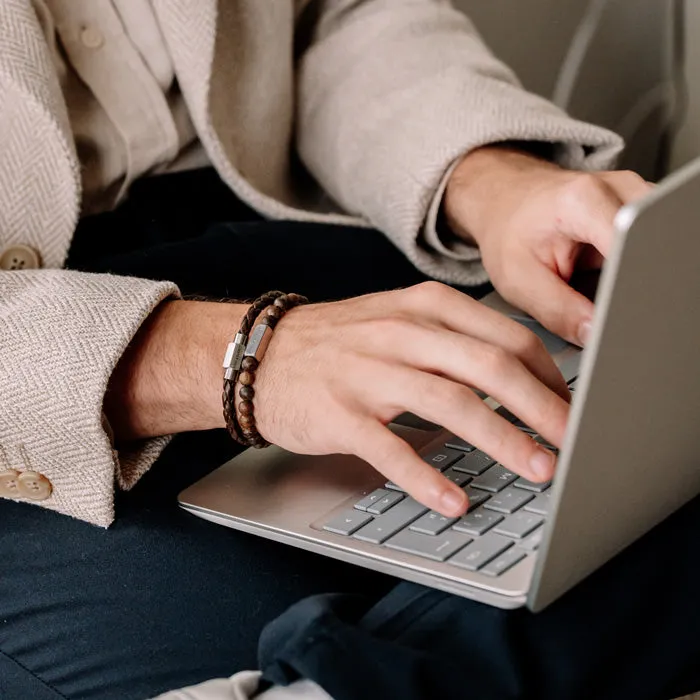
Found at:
(336, 374)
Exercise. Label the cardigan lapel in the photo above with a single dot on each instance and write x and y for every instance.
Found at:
(40, 197)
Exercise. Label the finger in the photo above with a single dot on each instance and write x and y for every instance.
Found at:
(461, 314)
(586, 211)
(458, 409)
(629, 186)
(397, 460)
(554, 303)
(470, 362)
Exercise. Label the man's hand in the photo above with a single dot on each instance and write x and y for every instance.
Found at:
(336, 374)
(535, 223)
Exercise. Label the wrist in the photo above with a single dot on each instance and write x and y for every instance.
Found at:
(169, 379)
(482, 179)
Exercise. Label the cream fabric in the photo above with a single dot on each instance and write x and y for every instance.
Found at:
(244, 686)
(127, 114)
(379, 97)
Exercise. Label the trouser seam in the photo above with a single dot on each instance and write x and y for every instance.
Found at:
(31, 673)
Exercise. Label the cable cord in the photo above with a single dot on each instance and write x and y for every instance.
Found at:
(672, 93)
(578, 52)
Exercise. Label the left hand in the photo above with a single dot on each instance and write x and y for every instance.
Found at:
(535, 223)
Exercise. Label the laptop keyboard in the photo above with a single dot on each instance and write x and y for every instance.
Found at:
(503, 526)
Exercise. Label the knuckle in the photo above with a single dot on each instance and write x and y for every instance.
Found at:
(430, 291)
(495, 360)
(580, 189)
(444, 397)
(631, 176)
(528, 344)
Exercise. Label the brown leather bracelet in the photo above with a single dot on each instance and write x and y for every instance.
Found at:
(234, 358)
(242, 360)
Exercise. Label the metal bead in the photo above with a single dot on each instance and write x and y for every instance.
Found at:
(281, 303)
(274, 312)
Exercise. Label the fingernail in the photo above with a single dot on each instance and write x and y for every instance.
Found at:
(453, 501)
(584, 332)
(542, 464)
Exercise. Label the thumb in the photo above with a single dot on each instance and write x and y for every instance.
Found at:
(546, 297)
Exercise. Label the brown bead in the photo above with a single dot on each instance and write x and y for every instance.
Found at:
(246, 420)
(246, 378)
(249, 433)
(246, 408)
(269, 321)
(249, 364)
(247, 393)
(281, 303)
(295, 300)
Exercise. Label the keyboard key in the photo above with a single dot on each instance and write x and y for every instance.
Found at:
(432, 523)
(388, 524)
(509, 500)
(542, 504)
(371, 499)
(532, 541)
(459, 478)
(474, 463)
(495, 479)
(481, 552)
(383, 504)
(476, 498)
(443, 458)
(512, 418)
(523, 483)
(438, 547)
(520, 524)
(477, 523)
(501, 564)
(394, 487)
(456, 443)
(347, 522)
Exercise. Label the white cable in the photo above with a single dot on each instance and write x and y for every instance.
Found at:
(578, 51)
(672, 93)
(679, 76)
(660, 96)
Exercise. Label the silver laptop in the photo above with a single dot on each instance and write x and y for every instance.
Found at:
(630, 458)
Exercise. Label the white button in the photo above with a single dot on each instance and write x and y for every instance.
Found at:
(92, 37)
(9, 484)
(20, 257)
(34, 486)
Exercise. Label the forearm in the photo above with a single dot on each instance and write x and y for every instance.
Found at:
(169, 379)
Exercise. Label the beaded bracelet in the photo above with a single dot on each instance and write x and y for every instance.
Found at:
(242, 360)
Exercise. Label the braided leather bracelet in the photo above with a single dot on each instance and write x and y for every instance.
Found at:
(242, 360)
